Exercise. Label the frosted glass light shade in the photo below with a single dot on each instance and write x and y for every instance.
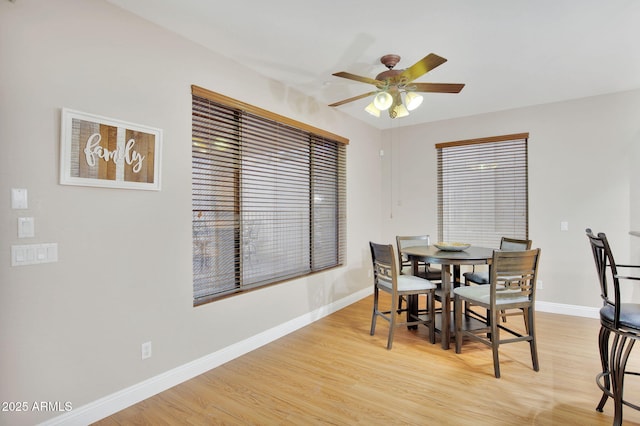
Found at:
(399, 111)
(371, 109)
(412, 100)
(383, 101)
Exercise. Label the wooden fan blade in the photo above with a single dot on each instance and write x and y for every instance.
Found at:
(358, 78)
(355, 98)
(436, 87)
(422, 67)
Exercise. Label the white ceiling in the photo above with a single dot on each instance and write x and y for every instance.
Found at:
(509, 53)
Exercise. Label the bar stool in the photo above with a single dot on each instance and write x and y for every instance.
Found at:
(619, 327)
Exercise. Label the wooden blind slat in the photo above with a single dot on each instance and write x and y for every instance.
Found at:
(233, 103)
(483, 190)
(268, 199)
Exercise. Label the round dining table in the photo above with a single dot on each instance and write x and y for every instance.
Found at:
(472, 255)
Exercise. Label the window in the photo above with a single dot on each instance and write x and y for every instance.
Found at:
(482, 190)
(269, 197)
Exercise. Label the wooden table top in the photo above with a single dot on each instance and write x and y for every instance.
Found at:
(432, 254)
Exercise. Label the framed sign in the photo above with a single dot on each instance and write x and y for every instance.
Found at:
(100, 151)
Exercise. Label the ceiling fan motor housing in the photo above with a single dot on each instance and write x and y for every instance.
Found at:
(389, 61)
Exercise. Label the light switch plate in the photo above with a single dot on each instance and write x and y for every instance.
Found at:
(19, 198)
(26, 227)
(31, 254)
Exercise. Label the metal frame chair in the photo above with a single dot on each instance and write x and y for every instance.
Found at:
(618, 320)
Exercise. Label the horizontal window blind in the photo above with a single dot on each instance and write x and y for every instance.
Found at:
(269, 200)
(483, 190)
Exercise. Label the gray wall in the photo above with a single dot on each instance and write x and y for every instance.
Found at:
(72, 330)
(583, 169)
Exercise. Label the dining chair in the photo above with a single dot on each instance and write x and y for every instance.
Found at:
(482, 277)
(618, 320)
(387, 279)
(512, 291)
(428, 272)
(425, 270)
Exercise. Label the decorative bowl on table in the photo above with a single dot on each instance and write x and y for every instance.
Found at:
(455, 246)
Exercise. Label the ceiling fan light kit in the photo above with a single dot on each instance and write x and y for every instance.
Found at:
(371, 109)
(413, 100)
(399, 111)
(392, 84)
(383, 101)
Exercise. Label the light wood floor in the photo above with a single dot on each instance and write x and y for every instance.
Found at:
(334, 372)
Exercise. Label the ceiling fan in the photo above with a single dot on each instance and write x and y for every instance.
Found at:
(392, 84)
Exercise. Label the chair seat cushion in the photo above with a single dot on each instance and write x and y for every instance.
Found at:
(430, 273)
(629, 315)
(480, 277)
(482, 294)
(410, 283)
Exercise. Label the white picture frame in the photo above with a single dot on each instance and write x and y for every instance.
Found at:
(105, 152)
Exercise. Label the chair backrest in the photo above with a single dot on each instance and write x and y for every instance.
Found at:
(384, 264)
(514, 244)
(607, 272)
(409, 241)
(514, 273)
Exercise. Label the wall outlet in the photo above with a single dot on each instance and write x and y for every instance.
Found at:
(539, 285)
(146, 350)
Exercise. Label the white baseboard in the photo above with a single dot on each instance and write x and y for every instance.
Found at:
(573, 310)
(120, 400)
